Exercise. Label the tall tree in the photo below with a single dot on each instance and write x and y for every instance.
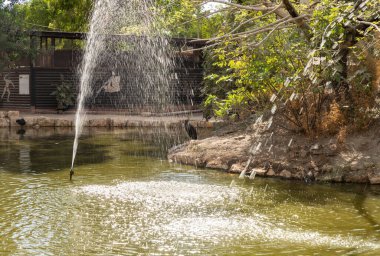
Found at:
(267, 47)
(60, 15)
(13, 41)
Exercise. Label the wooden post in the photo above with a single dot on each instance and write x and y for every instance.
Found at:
(32, 84)
(53, 51)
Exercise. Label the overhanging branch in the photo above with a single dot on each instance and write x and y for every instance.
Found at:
(303, 25)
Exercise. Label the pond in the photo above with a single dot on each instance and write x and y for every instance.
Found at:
(127, 199)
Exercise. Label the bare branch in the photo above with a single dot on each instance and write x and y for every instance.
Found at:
(235, 38)
(301, 22)
(266, 37)
(249, 31)
(258, 8)
(205, 16)
(266, 28)
(370, 24)
(254, 18)
(239, 26)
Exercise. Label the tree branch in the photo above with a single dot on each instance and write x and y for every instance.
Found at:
(258, 7)
(237, 38)
(239, 26)
(249, 31)
(300, 22)
(370, 24)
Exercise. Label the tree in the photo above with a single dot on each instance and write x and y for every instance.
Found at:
(60, 15)
(286, 49)
(13, 40)
(183, 18)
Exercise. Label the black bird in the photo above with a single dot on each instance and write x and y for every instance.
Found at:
(191, 131)
(21, 122)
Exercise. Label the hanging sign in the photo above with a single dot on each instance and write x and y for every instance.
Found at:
(24, 84)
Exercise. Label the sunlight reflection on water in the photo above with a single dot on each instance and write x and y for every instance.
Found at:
(204, 213)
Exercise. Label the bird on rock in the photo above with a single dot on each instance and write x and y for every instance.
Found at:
(21, 122)
(191, 131)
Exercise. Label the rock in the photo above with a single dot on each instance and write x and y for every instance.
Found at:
(183, 159)
(97, 123)
(147, 114)
(199, 163)
(119, 123)
(315, 147)
(3, 114)
(13, 114)
(4, 122)
(369, 165)
(204, 124)
(331, 150)
(45, 122)
(239, 138)
(109, 122)
(286, 174)
(312, 166)
(356, 166)
(177, 148)
(237, 168)
(63, 123)
(259, 171)
(374, 178)
(331, 176)
(172, 124)
(267, 165)
(217, 164)
(309, 176)
(30, 121)
(356, 177)
(270, 173)
(329, 173)
(299, 175)
(133, 123)
(303, 153)
(327, 168)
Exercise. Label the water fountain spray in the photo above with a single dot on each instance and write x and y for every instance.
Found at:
(124, 39)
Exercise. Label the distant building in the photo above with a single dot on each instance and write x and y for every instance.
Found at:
(31, 83)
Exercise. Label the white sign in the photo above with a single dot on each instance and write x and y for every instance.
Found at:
(24, 84)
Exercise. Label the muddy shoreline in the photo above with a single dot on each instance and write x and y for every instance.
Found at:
(287, 155)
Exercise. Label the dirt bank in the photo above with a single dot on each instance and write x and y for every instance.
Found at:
(279, 153)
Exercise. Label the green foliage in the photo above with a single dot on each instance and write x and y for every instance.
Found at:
(61, 15)
(262, 71)
(13, 39)
(64, 94)
(236, 105)
(184, 18)
(260, 63)
(330, 21)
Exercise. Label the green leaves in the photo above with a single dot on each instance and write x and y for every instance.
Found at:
(237, 63)
(237, 104)
(13, 40)
(64, 94)
(62, 15)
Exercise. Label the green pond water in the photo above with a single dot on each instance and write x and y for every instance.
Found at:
(126, 199)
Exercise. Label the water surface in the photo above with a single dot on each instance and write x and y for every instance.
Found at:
(126, 199)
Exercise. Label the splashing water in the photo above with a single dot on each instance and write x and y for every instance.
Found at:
(125, 41)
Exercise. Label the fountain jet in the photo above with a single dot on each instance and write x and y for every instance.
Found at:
(124, 39)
